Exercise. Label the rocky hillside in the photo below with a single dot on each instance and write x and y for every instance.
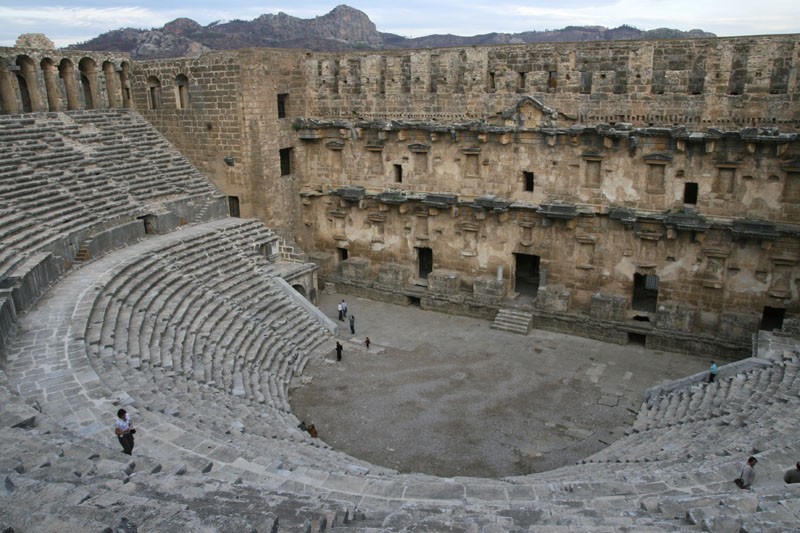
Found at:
(342, 29)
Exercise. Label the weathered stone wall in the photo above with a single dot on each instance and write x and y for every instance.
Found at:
(736, 81)
(228, 124)
(609, 163)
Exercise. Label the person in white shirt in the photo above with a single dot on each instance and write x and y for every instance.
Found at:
(123, 428)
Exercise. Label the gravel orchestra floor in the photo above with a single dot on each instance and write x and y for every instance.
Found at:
(448, 396)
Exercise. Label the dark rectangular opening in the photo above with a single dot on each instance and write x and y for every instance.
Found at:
(233, 206)
(645, 292)
(528, 177)
(342, 254)
(414, 301)
(772, 318)
(425, 260)
(526, 276)
(282, 101)
(286, 161)
(637, 339)
(398, 173)
(690, 193)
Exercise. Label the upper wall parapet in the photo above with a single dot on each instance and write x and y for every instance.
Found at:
(736, 81)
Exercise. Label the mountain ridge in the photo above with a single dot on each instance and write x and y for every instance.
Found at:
(342, 29)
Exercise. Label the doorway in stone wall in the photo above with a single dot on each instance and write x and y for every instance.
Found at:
(645, 292)
(233, 206)
(425, 262)
(772, 318)
(526, 278)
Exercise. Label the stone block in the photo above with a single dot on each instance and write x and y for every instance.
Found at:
(676, 317)
(444, 282)
(489, 289)
(356, 269)
(553, 298)
(608, 307)
(394, 275)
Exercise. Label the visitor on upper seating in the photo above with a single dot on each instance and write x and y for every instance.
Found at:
(748, 474)
(793, 475)
(123, 428)
(712, 372)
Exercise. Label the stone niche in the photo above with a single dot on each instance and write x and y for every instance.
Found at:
(738, 326)
(444, 282)
(356, 271)
(553, 299)
(608, 307)
(489, 289)
(393, 276)
(676, 317)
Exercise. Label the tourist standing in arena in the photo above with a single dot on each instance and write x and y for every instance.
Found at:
(123, 428)
(352, 324)
(338, 351)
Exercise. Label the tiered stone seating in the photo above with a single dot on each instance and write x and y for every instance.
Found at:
(191, 333)
(65, 174)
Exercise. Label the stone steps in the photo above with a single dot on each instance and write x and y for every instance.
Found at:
(513, 320)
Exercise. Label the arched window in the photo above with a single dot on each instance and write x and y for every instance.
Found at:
(125, 84)
(110, 77)
(67, 72)
(181, 92)
(8, 102)
(28, 88)
(50, 72)
(89, 82)
(153, 93)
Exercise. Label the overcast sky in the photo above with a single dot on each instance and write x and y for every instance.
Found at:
(70, 22)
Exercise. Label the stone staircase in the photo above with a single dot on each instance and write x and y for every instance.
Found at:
(513, 320)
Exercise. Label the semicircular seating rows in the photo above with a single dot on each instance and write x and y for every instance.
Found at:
(193, 332)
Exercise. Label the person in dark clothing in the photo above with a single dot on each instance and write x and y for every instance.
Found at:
(338, 351)
(353, 324)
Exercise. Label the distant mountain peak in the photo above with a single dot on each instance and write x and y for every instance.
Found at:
(344, 28)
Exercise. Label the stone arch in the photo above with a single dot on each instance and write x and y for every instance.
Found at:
(50, 73)
(28, 85)
(66, 69)
(88, 69)
(300, 289)
(181, 91)
(154, 93)
(111, 79)
(125, 84)
(8, 101)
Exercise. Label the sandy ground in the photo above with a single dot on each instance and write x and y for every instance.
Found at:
(448, 396)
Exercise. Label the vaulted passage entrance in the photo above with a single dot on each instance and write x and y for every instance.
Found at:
(645, 292)
(425, 260)
(526, 280)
